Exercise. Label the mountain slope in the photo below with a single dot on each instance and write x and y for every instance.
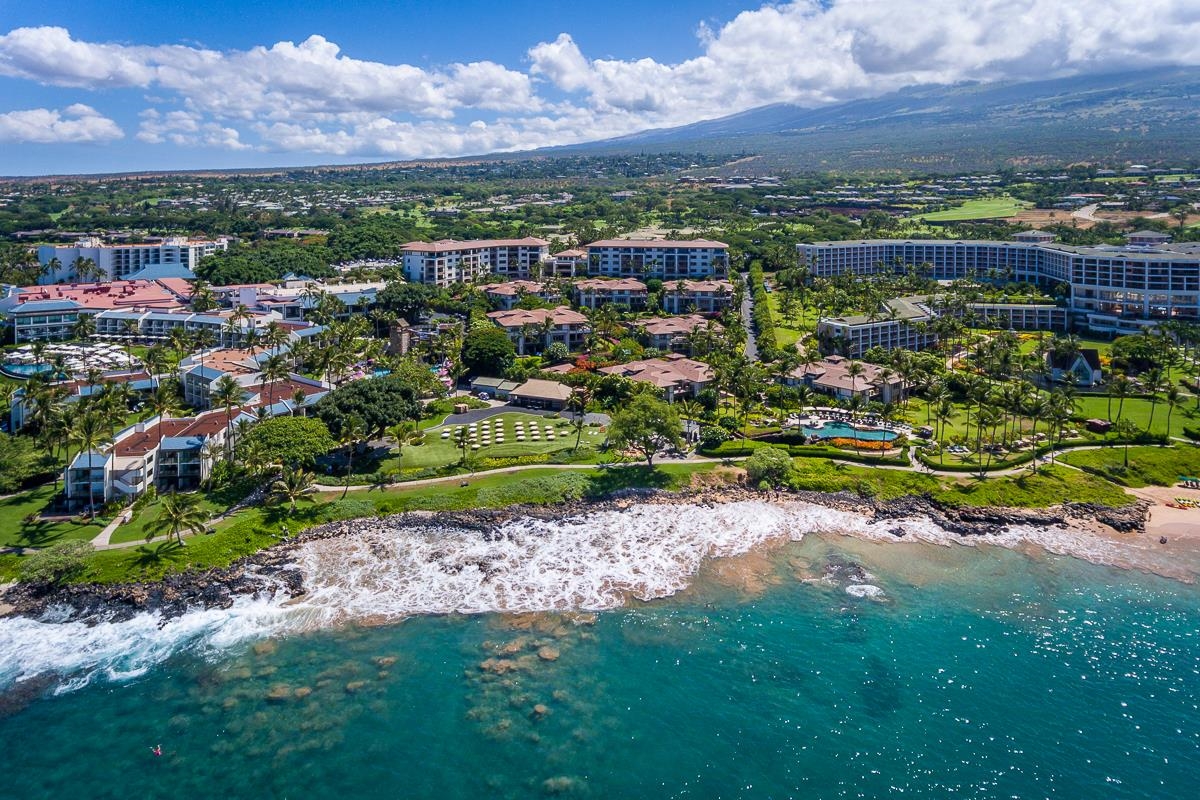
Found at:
(1151, 116)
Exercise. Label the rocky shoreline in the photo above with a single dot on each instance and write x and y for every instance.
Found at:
(270, 572)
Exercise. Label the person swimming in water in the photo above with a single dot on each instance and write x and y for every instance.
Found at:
(157, 749)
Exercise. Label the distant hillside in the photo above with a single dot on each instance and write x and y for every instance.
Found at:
(1147, 116)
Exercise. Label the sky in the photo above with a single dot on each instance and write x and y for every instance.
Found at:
(130, 85)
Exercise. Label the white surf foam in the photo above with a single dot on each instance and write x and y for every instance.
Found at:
(389, 571)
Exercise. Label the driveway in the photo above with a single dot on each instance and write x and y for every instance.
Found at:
(480, 414)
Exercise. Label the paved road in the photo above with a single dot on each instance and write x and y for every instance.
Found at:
(748, 318)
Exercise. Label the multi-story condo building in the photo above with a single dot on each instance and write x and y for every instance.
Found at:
(675, 375)
(446, 262)
(657, 258)
(904, 325)
(536, 329)
(506, 295)
(225, 328)
(294, 298)
(1110, 289)
(168, 454)
(46, 313)
(673, 334)
(565, 264)
(705, 297)
(175, 257)
(595, 292)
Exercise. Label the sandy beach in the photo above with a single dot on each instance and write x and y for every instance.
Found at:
(1173, 523)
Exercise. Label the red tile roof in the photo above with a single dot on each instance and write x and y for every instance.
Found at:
(452, 245)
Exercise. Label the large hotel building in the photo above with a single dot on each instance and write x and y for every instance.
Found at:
(1111, 289)
(175, 257)
(447, 262)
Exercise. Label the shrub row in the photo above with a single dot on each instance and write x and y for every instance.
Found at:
(764, 323)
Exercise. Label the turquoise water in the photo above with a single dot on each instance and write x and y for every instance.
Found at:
(976, 672)
(838, 430)
(25, 370)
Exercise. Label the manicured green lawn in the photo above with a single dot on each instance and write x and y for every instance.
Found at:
(1051, 486)
(438, 452)
(982, 208)
(790, 329)
(15, 532)
(1137, 410)
(1148, 466)
(253, 529)
(135, 529)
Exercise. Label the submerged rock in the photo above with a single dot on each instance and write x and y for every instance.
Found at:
(548, 653)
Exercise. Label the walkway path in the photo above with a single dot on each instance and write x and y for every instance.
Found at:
(101, 540)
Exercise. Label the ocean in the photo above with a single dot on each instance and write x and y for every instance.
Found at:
(747, 650)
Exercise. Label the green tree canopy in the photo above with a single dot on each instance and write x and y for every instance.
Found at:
(290, 440)
(646, 425)
(405, 299)
(488, 351)
(769, 465)
(379, 402)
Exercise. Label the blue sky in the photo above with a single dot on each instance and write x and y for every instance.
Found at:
(148, 84)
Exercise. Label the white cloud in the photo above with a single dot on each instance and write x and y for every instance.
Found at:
(74, 124)
(311, 97)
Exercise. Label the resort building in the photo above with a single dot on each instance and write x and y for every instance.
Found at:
(833, 376)
(1116, 290)
(673, 334)
(507, 295)
(447, 262)
(47, 313)
(225, 328)
(538, 393)
(656, 258)
(677, 376)
(565, 264)
(1082, 368)
(168, 454)
(174, 257)
(705, 297)
(139, 382)
(902, 324)
(595, 292)
(1020, 316)
(293, 298)
(533, 330)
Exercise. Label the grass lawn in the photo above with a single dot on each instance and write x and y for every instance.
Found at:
(789, 330)
(1103, 346)
(253, 529)
(135, 529)
(1148, 466)
(15, 532)
(1051, 486)
(438, 452)
(1137, 410)
(982, 208)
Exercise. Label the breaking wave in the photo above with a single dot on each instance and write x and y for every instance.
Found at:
(389, 569)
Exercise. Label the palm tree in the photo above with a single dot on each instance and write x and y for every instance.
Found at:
(84, 327)
(227, 393)
(292, 485)
(273, 368)
(354, 430)
(179, 513)
(1121, 387)
(90, 432)
(405, 433)
(298, 398)
(274, 336)
(163, 403)
(1174, 399)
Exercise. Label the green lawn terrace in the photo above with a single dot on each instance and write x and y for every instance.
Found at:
(509, 437)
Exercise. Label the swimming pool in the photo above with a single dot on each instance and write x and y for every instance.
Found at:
(25, 370)
(844, 430)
